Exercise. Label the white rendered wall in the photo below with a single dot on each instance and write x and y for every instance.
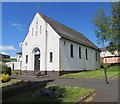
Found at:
(16, 65)
(75, 63)
(52, 46)
(39, 41)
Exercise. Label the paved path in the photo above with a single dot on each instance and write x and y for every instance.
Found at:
(104, 92)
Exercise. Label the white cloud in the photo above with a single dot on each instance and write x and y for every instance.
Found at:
(19, 26)
(16, 24)
(13, 56)
(4, 53)
(7, 48)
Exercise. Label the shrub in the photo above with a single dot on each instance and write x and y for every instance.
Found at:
(5, 78)
(6, 70)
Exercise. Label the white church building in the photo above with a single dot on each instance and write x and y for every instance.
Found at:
(53, 48)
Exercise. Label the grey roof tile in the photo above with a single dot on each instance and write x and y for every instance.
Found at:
(68, 33)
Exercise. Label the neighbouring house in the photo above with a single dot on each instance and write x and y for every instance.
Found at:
(16, 63)
(107, 57)
(4, 56)
(53, 48)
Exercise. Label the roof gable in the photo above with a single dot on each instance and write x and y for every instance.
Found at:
(68, 33)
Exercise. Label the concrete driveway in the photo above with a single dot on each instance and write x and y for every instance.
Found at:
(104, 92)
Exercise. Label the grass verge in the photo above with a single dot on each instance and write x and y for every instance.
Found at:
(12, 81)
(112, 71)
(15, 72)
(68, 94)
(12, 85)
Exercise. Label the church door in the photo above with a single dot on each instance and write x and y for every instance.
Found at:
(37, 62)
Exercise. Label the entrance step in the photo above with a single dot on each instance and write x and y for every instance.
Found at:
(28, 73)
(33, 73)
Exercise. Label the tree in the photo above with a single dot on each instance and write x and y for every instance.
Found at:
(5, 60)
(107, 27)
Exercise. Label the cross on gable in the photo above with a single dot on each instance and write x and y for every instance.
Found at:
(38, 7)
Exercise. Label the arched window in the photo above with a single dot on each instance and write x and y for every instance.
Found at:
(71, 50)
(36, 55)
(37, 52)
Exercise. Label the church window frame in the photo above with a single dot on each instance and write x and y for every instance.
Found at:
(86, 54)
(32, 31)
(26, 61)
(36, 26)
(80, 53)
(40, 29)
(64, 43)
(96, 56)
(71, 50)
(51, 57)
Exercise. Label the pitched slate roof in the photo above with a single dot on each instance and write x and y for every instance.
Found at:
(68, 33)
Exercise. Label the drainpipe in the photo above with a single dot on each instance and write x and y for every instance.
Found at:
(84, 59)
(60, 72)
(46, 48)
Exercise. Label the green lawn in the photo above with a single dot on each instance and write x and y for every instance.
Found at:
(12, 85)
(15, 72)
(99, 73)
(68, 94)
(12, 81)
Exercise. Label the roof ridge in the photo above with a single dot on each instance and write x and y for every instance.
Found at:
(48, 19)
(64, 25)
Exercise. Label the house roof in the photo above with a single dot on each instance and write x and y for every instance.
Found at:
(110, 56)
(68, 33)
(19, 52)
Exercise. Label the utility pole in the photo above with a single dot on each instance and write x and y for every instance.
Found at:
(106, 75)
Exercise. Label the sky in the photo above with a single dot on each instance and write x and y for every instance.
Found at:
(17, 16)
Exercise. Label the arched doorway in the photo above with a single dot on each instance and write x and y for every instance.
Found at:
(36, 53)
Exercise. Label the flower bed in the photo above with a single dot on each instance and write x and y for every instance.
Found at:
(5, 78)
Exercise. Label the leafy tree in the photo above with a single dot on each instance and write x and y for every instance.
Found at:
(7, 59)
(107, 27)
